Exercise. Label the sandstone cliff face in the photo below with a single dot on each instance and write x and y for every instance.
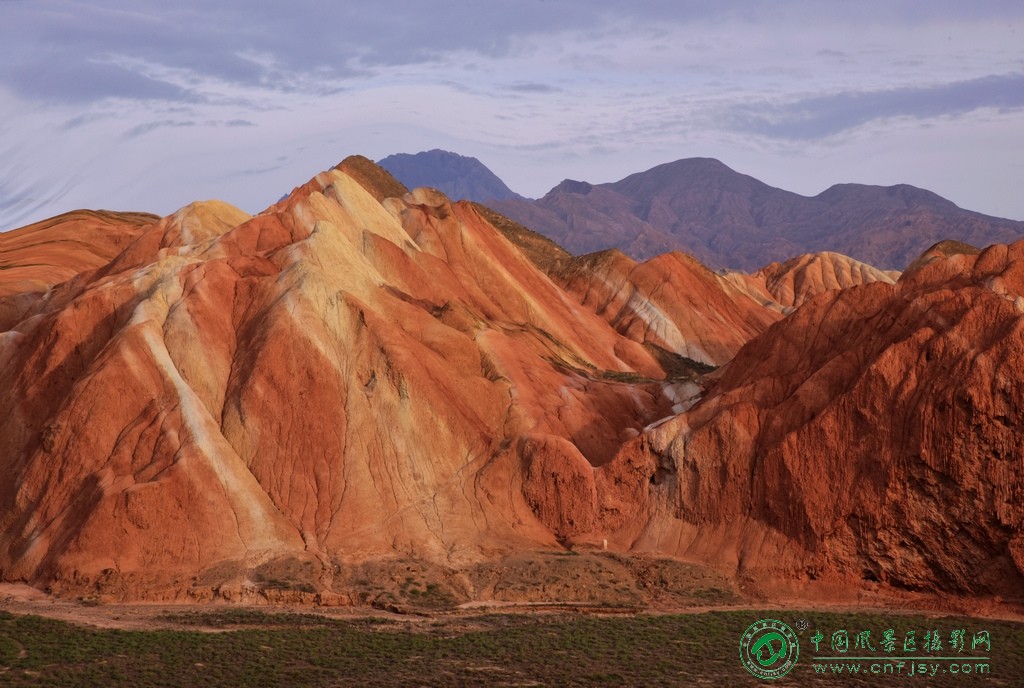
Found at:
(873, 435)
(237, 400)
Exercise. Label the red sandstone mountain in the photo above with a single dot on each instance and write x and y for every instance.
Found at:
(731, 220)
(871, 436)
(269, 404)
(38, 256)
(348, 376)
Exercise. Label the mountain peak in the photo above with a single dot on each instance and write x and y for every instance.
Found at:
(374, 178)
(698, 163)
(573, 186)
(458, 176)
(690, 173)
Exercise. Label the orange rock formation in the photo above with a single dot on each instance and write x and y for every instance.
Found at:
(38, 256)
(217, 403)
(345, 376)
(872, 436)
(798, 279)
(672, 302)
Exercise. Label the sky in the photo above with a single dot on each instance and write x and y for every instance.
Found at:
(147, 105)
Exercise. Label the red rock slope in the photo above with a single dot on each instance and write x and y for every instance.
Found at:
(671, 302)
(342, 378)
(872, 436)
(794, 281)
(37, 256)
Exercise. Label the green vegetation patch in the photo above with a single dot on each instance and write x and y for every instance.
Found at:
(537, 649)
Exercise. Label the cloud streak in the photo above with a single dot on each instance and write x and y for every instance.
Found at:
(823, 116)
(533, 87)
(143, 129)
(63, 50)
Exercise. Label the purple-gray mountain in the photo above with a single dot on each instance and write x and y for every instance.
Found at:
(457, 176)
(723, 218)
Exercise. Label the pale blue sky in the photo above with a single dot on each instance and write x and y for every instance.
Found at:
(149, 105)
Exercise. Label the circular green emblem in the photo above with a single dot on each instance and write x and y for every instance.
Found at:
(769, 649)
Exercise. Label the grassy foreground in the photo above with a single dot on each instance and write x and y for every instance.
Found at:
(258, 649)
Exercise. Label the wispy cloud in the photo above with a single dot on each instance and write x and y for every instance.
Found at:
(84, 119)
(262, 170)
(533, 87)
(142, 129)
(20, 202)
(821, 116)
(68, 81)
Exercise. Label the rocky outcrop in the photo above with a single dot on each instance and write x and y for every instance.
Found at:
(671, 303)
(794, 281)
(943, 249)
(872, 437)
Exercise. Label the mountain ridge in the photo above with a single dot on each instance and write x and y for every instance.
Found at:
(732, 220)
(725, 218)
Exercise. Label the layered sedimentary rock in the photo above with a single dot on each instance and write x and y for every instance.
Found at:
(40, 255)
(794, 281)
(943, 249)
(671, 302)
(363, 377)
(871, 436)
(343, 377)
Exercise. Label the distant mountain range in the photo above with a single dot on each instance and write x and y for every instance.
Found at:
(456, 176)
(724, 218)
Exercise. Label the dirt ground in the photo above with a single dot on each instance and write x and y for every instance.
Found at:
(23, 599)
(539, 582)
